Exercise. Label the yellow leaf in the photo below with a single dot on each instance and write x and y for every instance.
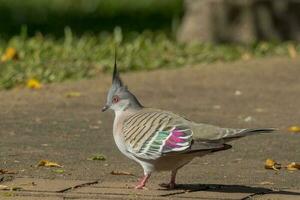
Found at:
(16, 188)
(33, 84)
(271, 164)
(294, 129)
(292, 51)
(293, 166)
(73, 94)
(266, 183)
(4, 187)
(121, 173)
(8, 194)
(9, 54)
(59, 171)
(47, 163)
(4, 171)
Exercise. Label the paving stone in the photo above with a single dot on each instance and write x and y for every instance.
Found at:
(35, 198)
(213, 195)
(121, 189)
(48, 189)
(277, 197)
(119, 184)
(113, 196)
(12, 196)
(49, 185)
(124, 191)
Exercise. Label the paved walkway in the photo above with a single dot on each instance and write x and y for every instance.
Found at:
(46, 124)
(49, 189)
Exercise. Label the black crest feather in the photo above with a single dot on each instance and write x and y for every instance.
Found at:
(116, 78)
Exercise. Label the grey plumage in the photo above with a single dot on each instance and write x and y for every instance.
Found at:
(144, 124)
(161, 140)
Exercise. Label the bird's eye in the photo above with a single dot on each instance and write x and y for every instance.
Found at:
(115, 99)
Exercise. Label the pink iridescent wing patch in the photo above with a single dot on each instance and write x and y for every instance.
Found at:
(178, 140)
(167, 141)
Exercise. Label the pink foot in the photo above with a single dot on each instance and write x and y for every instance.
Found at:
(142, 183)
(139, 186)
(168, 185)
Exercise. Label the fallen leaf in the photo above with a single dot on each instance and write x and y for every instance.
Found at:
(16, 188)
(259, 110)
(4, 171)
(294, 129)
(292, 51)
(271, 164)
(59, 171)
(237, 93)
(121, 173)
(217, 107)
(8, 194)
(33, 84)
(248, 119)
(293, 166)
(94, 127)
(9, 54)
(4, 187)
(266, 183)
(47, 163)
(73, 94)
(97, 157)
(28, 184)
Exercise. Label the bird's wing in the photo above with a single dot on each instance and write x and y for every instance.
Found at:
(211, 132)
(151, 134)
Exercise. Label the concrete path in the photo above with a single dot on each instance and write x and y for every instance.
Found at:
(57, 189)
(45, 124)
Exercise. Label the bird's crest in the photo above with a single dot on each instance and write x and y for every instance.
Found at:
(116, 80)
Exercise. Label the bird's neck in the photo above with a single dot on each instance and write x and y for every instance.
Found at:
(121, 115)
(127, 112)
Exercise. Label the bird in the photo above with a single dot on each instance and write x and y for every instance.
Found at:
(161, 140)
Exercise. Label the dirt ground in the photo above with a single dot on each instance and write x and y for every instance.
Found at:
(45, 124)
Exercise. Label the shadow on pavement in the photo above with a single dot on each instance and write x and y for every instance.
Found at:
(230, 189)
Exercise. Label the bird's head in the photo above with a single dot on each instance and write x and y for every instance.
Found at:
(119, 98)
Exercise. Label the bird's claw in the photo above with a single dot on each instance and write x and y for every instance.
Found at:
(169, 186)
(140, 187)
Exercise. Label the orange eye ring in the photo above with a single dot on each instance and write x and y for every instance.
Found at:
(115, 99)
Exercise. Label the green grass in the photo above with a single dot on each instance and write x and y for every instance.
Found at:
(79, 57)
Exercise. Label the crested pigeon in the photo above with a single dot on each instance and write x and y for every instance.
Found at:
(160, 140)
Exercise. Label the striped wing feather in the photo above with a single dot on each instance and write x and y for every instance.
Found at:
(150, 134)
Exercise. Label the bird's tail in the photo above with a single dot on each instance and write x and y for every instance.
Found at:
(235, 134)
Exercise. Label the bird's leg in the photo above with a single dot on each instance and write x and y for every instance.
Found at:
(172, 183)
(143, 181)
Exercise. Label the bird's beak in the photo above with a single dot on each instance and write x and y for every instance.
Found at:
(105, 108)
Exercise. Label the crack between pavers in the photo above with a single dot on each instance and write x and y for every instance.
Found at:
(255, 194)
(185, 191)
(36, 193)
(138, 195)
(270, 192)
(78, 186)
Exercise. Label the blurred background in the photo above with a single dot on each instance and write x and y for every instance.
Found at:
(53, 40)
